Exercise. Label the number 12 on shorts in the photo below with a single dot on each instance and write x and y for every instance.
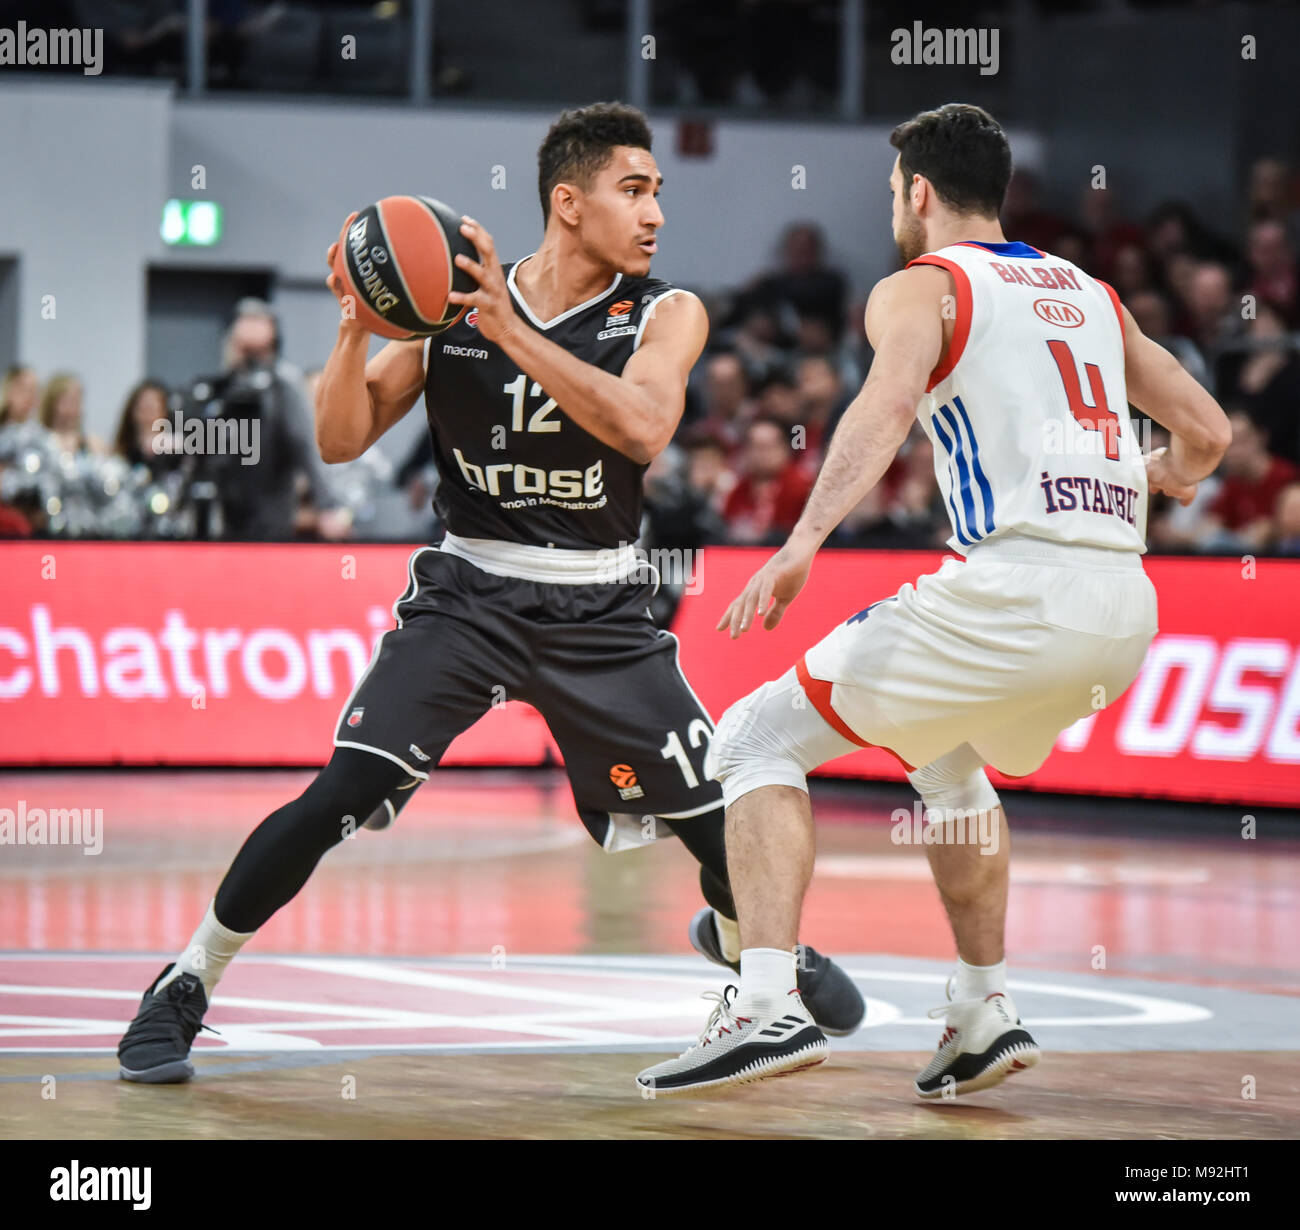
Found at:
(696, 734)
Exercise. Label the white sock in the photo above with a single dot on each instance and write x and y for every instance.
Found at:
(728, 935)
(979, 981)
(767, 976)
(209, 951)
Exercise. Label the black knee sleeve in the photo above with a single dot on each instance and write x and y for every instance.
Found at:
(704, 837)
(282, 852)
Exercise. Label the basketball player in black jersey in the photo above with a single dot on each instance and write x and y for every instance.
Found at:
(546, 402)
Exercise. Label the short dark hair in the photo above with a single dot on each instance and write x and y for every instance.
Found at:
(962, 150)
(581, 143)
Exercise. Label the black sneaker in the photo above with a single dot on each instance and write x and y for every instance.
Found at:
(827, 991)
(155, 1049)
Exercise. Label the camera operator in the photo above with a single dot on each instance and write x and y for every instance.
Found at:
(260, 405)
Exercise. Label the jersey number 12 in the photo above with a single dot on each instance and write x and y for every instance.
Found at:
(539, 420)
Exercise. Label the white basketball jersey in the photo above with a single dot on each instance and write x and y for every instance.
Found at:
(1027, 410)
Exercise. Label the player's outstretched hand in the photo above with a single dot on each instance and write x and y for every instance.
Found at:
(1161, 476)
(496, 316)
(770, 590)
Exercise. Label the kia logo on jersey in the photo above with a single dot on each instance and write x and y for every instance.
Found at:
(1058, 312)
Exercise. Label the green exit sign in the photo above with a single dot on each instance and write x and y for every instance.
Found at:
(191, 222)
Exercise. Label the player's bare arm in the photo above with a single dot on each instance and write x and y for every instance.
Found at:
(636, 411)
(905, 325)
(1199, 432)
(357, 401)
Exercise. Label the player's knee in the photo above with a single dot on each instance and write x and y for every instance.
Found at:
(748, 750)
(955, 783)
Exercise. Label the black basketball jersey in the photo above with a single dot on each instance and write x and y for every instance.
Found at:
(513, 465)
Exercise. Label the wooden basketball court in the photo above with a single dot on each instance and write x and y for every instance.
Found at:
(482, 970)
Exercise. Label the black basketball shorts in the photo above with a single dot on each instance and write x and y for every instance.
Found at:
(589, 658)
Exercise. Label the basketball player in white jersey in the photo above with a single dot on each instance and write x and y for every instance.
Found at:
(1020, 368)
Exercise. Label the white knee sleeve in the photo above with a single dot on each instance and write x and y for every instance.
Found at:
(773, 737)
(955, 781)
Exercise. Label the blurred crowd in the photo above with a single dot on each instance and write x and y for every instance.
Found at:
(231, 455)
(786, 355)
(787, 352)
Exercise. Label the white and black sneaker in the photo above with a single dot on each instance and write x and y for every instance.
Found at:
(983, 1044)
(831, 995)
(736, 1050)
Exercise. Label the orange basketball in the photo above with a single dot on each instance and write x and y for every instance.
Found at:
(396, 259)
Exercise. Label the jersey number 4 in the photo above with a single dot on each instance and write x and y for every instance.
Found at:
(540, 420)
(1096, 417)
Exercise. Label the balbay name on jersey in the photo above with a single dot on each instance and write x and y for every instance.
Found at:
(512, 465)
(1028, 409)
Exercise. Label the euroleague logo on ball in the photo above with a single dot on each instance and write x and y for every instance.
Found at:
(472, 318)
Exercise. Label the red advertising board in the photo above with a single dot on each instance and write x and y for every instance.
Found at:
(244, 654)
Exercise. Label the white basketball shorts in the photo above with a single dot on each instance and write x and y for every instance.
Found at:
(1002, 651)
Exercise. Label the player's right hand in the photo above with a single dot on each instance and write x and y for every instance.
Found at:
(333, 281)
(1161, 476)
(770, 590)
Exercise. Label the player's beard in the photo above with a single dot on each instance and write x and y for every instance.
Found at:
(911, 237)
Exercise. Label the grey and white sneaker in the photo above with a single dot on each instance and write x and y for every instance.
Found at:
(737, 1050)
(983, 1044)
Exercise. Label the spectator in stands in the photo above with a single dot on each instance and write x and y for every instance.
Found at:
(1108, 233)
(61, 414)
(1150, 311)
(1072, 245)
(144, 432)
(677, 513)
(728, 397)
(20, 394)
(1215, 312)
(821, 398)
(771, 489)
(1174, 227)
(803, 283)
(1243, 514)
(1273, 278)
(1177, 272)
(707, 471)
(1132, 272)
(1272, 195)
(1268, 383)
(1286, 531)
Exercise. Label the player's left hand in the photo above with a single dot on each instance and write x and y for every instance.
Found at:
(496, 314)
(1161, 476)
(770, 590)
